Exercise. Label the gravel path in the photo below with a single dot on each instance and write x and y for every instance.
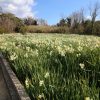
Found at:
(4, 95)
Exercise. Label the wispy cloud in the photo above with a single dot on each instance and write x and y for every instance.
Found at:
(21, 8)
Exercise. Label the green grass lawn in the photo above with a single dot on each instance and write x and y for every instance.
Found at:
(55, 66)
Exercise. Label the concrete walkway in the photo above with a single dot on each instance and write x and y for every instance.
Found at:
(4, 94)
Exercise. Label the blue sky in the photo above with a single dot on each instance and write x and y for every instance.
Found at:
(53, 10)
(50, 10)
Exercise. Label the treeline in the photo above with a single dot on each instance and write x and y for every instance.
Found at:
(9, 23)
(76, 23)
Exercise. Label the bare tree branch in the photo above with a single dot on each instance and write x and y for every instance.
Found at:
(94, 12)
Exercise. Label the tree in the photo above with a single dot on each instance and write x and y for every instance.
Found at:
(62, 22)
(97, 28)
(68, 21)
(1, 10)
(42, 22)
(75, 22)
(94, 12)
(30, 21)
(77, 18)
(87, 26)
(10, 23)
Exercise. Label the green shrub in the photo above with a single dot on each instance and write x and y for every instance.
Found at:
(23, 29)
(96, 29)
(46, 29)
(2, 30)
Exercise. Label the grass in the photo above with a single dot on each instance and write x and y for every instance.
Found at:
(55, 67)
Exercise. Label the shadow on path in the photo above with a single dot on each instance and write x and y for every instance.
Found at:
(4, 94)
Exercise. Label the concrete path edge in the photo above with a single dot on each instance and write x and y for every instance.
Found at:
(16, 90)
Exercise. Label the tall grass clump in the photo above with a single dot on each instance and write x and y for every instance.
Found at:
(55, 67)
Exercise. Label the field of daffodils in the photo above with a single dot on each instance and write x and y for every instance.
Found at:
(55, 67)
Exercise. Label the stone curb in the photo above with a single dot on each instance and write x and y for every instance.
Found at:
(16, 90)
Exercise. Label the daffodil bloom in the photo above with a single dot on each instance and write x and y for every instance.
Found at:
(87, 98)
(28, 49)
(13, 57)
(47, 75)
(26, 55)
(41, 83)
(27, 82)
(82, 65)
(41, 96)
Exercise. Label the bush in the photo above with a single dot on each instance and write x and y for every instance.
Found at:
(23, 29)
(96, 29)
(46, 29)
(2, 30)
(77, 30)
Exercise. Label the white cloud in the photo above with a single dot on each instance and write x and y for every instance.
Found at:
(88, 17)
(21, 8)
